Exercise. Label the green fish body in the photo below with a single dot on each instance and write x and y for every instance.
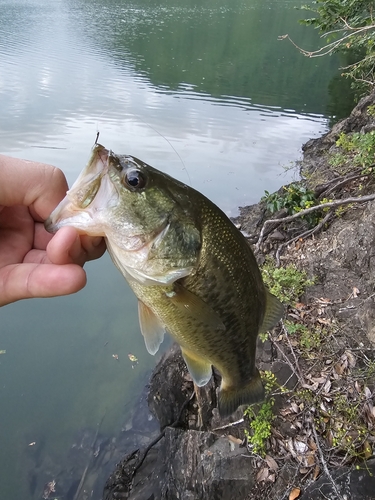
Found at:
(193, 272)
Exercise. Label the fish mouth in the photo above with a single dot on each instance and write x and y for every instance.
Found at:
(84, 199)
(89, 201)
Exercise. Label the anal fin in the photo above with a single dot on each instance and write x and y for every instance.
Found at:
(199, 368)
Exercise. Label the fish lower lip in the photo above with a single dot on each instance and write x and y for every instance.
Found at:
(50, 226)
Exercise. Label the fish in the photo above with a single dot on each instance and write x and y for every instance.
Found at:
(193, 272)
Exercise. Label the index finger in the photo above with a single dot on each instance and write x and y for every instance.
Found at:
(32, 184)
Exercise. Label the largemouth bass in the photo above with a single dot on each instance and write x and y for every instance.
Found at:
(193, 272)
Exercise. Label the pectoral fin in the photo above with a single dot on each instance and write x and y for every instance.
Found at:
(199, 368)
(193, 306)
(151, 328)
(274, 312)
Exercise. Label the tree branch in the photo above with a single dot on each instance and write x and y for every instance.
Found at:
(330, 204)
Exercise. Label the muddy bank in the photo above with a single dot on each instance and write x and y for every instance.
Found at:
(322, 439)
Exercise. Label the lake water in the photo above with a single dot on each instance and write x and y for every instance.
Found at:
(203, 90)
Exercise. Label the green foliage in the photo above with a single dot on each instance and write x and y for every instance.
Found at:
(348, 26)
(356, 149)
(287, 283)
(260, 426)
(294, 198)
(308, 338)
(260, 422)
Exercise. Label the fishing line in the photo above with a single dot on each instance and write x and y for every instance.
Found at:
(156, 131)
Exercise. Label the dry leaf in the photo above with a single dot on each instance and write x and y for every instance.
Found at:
(323, 321)
(294, 407)
(327, 386)
(263, 474)
(312, 445)
(234, 439)
(351, 358)
(310, 460)
(271, 462)
(321, 300)
(316, 472)
(295, 493)
(339, 368)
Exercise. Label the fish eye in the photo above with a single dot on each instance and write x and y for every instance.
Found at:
(135, 179)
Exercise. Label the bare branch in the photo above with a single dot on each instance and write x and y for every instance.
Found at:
(322, 459)
(330, 204)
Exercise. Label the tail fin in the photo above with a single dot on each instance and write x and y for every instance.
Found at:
(230, 398)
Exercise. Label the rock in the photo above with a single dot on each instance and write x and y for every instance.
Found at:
(202, 465)
(352, 484)
(164, 402)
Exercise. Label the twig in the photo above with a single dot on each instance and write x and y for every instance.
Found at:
(323, 460)
(343, 182)
(228, 425)
(330, 204)
(301, 380)
(292, 350)
(305, 234)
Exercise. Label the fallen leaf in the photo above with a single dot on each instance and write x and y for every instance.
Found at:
(327, 386)
(294, 407)
(234, 439)
(3, 351)
(367, 392)
(323, 321)
(312, 444)
(310, 460)
(263, 474)
(271, 462)
(295, 493)
(339, 368)
(316, 472)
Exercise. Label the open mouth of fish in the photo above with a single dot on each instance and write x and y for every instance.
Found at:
(88, 203)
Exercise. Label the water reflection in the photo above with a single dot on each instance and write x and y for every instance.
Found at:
(208, 80)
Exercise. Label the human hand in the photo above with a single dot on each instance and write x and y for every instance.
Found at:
(34, 263)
